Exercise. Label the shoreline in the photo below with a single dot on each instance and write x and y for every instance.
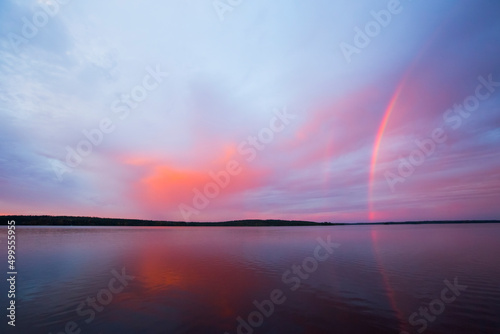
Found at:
(97, 221)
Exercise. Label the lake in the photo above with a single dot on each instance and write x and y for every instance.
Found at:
(328, 279)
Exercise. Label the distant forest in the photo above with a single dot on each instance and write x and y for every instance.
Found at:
(95, 221)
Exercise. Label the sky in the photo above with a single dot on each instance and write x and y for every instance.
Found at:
(201, 110)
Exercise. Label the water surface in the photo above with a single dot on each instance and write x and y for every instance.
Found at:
(201, 279)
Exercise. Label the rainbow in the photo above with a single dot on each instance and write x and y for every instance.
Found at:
(378, 140)
(391, 106)
(374, 234)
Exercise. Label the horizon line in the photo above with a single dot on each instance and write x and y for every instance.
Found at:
(208, 223)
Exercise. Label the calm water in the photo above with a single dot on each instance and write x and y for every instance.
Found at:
(200, 280)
